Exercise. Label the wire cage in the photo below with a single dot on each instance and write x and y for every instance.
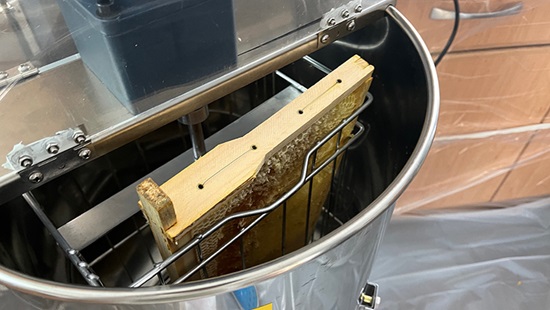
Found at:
(105, 263)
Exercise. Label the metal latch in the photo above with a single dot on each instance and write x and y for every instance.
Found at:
(368, 299)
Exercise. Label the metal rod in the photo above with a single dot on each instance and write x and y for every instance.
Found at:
(331, 198)
(241, 248)
(291, 81)
(73, 255)
(194, 122)
(283, 237)
(219, 250)
(309, 197)
(319, 66)
(199, 253)
(197, 140)
(119, 261)
(118, 245)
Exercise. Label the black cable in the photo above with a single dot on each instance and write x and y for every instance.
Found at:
(452, 36)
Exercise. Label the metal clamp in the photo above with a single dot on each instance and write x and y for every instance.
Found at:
(368, 299)
(49, 157)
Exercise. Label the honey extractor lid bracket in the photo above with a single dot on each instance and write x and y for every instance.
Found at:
(47, 158)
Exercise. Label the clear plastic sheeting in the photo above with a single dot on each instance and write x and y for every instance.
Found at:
(496, 258)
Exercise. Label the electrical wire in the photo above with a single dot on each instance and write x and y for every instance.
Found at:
(452, 36)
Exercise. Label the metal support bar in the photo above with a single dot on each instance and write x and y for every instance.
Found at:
(197, 140)
(73, 255)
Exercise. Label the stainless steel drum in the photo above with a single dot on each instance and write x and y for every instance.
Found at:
(103, 237)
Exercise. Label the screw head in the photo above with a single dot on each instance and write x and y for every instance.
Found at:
(331, 21)
(25, 161)
(345, 14)
(351, 25)
(36, 177)
(24, 68)
(324, 38)
(4, 75)
(52, 148)
(85, 153)
(358, 8)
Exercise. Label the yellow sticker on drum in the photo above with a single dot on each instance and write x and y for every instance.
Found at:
(265, 307)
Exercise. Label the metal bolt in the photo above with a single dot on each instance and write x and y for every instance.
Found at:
(358, 8)
(25, 161)
(3, 75)
(24, 68)
(52, 147)
(331, 21)
(105, 8)
(345, 14)
(351, 25)
(72, 252)
(85, 153)
(79, 137)
(36, 177)
(324, 38)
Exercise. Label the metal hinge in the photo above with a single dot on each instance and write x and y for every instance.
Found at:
(339, 22)
(50, 157)
(368, 299)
